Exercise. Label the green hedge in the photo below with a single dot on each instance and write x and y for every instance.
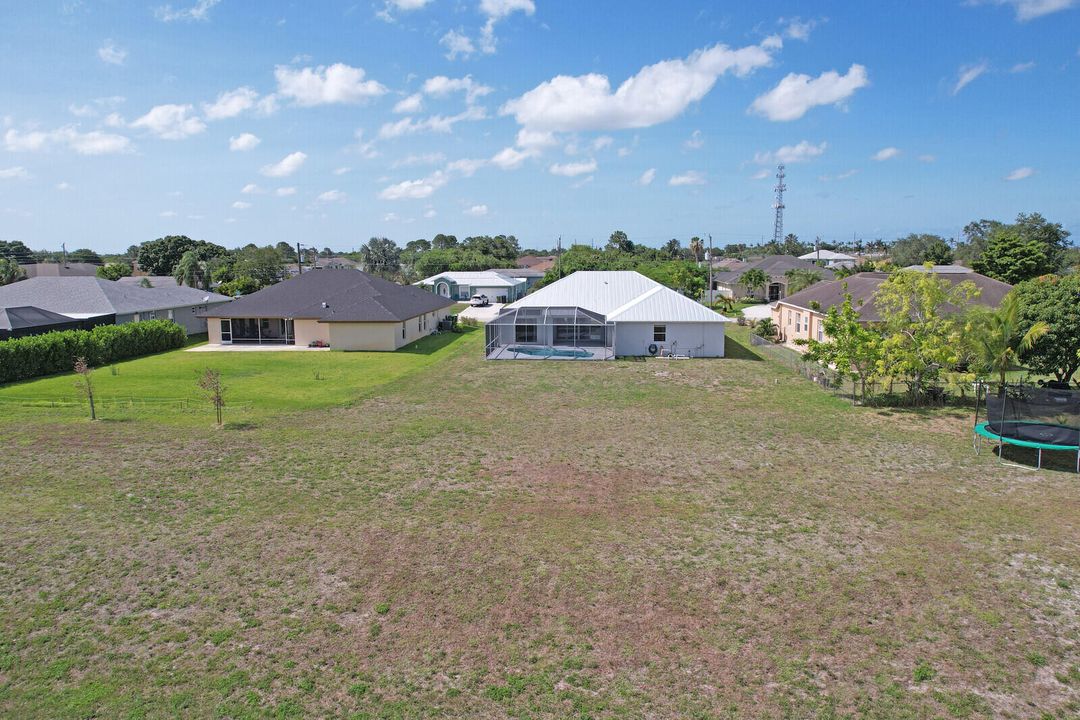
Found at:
(55, 352)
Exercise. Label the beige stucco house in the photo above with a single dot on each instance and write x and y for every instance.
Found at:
(342, 309)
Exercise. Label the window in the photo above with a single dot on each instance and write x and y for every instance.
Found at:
(820, 332)
(659, 333)
(525, 333)
(171, 315)
(798, 322)
(789, 314)
(463, 293)
(419, 324)
(402, 331)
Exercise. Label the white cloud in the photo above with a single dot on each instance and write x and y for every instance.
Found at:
(796, 93)
(441, 86)
(477, 211)
(656, 94)
(285, 191)
(167, 214)
(243, 142)
(415, 189)
(695, 142)
(96, 106)
(511, 158)
(286, 166)
(691, 177)
(457, 43)
(170, 122)
(430, 213)
(761, 174)
(1020, 174)
(111, 54)
(1022, 67)
(230, 104)
(342, 170)
(366, 149)
(95, 142)
(433, 158)
(497, 10)
(11, 173)
(331, 196)
(968, 74)
(466, 166)
(1030, 9)
(887, 153)
(115, 120)
(199, 12)
(927, 158)
(412, 104)
(797, 28)
(251, 189)
(647, 177)
(624, 152)
(241, 205)
(390, 217)
(401, 6)
(434, 123)
(603, 142)
(63, 185)
(788, 154)
(322, 85)
(536, 140)
(573, 169)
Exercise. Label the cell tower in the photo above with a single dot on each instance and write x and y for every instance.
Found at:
(778, 227)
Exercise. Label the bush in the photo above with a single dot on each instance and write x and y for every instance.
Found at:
(37, 355)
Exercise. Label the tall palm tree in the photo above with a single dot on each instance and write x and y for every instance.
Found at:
(997, 339)
(800, 279)
(696, 248)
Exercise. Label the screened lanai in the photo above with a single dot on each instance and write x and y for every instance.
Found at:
(549, 333)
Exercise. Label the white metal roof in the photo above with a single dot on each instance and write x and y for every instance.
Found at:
(621, 296)
(484, 278)
(826, 255)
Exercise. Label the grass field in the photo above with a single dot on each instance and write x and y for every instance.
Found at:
(431, 535)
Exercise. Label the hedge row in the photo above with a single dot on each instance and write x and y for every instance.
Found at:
(55, 352)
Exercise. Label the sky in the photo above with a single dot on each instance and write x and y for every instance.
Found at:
(332, 122)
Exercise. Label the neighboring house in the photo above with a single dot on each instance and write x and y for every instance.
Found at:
(830, 258)
(530, 276)
(498, 287)
(74, 269)
(18, 322)
(83, 298)
(343, 309)
(775, 267)
(543, 263)
(801, 316)
(606, 313)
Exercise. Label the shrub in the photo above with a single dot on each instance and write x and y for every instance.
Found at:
(37, 355)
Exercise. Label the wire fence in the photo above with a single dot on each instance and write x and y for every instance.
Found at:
(823, 377)
(115, 403)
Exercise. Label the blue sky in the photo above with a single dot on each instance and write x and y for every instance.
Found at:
(243, 122)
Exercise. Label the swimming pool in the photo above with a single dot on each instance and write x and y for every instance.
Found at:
(546, 351)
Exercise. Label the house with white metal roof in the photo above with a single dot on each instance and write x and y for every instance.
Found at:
(603, 314)
(462, 285)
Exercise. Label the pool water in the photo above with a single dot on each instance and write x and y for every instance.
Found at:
(542, 351)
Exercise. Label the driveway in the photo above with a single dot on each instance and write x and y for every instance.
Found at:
(481, 314)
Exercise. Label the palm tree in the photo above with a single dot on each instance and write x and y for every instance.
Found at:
(10, 271)
(800, 279)
(997, 338)
(753, 279)
(696, 248)
(189, 271)
(765, 328)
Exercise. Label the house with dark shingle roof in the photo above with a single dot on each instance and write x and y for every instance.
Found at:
(801, 315)
(726, 282)
(343, 309)
(82, 298)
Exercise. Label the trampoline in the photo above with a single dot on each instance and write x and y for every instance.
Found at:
(1031, 417)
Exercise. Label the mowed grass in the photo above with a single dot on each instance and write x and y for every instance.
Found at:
(165, 386)
(631, 539)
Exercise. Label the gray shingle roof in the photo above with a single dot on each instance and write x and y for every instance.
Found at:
(84, 296)
(350, 296)
(862, 287)
(773, 266)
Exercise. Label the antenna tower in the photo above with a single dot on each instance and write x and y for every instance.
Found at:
(778, 227)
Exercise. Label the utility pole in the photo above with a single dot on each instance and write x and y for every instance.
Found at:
(558, 257)
(709, 258)
(63, 248)
(299, 261)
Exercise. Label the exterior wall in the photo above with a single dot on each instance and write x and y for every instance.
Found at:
(185, 317)
(213, 330)
(385, 336)
(308, 331)
(796, 323)
(699, 339)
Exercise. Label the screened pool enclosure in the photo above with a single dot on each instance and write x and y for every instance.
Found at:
(549, 333)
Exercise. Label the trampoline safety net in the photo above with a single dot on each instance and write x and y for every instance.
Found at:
(1037, 415)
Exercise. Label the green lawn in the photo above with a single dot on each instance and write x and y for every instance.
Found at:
(433, 535)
